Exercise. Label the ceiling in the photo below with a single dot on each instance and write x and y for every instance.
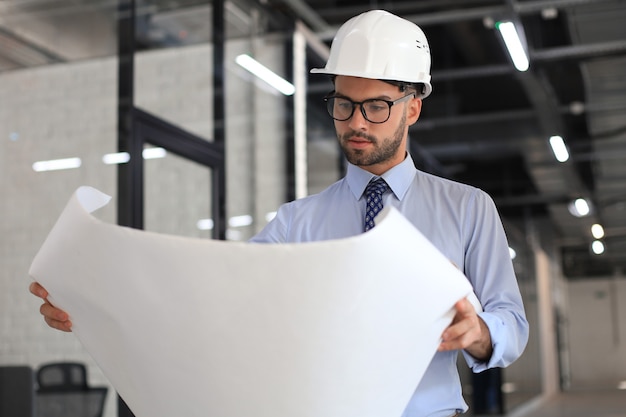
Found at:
(485, 124)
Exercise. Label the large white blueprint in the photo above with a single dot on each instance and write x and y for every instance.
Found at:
(195, 327)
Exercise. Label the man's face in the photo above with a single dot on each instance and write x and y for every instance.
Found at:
(375, 147)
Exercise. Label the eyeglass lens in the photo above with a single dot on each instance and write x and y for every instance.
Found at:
(375, 111)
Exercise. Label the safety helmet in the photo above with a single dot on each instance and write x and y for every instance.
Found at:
(383, 46)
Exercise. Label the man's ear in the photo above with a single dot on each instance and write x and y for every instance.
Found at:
(414, 110)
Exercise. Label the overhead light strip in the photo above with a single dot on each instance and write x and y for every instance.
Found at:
(597, 247)
(124, 157)
(116, 158)
(513, 45)
(270, 77)
(153, 153)
(240, 221)
(559, 149)
(56, 164)
(579, 207)
(597, 231)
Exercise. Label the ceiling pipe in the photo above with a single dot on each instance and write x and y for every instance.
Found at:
(24, 52)
(544, 55)
(579, 51)
(308, 15)
(477, 13)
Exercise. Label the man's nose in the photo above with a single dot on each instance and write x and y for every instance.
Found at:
(358, 120)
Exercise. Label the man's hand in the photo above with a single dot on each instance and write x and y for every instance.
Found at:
(56, 318)
(467, 331)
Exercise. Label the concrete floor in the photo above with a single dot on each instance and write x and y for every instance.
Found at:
(577, 404)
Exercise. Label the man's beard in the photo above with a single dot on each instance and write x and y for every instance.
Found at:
(383, 150)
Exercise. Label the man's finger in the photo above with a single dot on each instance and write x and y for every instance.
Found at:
(48, 310)
(65, 326)
(38, 290)
(464, 307)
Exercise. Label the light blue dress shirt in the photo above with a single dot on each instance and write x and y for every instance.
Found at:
(463, 223)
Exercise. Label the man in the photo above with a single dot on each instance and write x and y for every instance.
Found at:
(380, 66)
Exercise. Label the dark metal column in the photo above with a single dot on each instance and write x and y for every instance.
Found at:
(219, 117)
(130, 175)
(290, 137)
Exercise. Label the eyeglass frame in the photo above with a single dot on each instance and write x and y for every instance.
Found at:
(390, 103)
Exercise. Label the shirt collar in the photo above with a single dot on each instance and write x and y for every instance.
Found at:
(398, 178)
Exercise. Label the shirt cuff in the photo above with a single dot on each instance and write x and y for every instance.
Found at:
(498, 337)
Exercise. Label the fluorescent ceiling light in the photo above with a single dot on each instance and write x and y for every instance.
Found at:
(597, 231)
(513, 45)
(205, 224)
(235, 221)
(56, 164)
(270, 216)
(597, 247)
(264, 73)
(116, 158)
(559, 149)
(550, 13)
(509, 387)
(124, 157)
(240, 221)
(153, 153)
(582, 207)
(579, 207)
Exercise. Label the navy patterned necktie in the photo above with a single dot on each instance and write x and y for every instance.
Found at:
(374, 202)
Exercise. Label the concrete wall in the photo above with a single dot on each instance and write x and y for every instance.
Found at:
(48, 113)
(597, 333)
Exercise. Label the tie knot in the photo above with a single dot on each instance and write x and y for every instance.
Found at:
(378, 186)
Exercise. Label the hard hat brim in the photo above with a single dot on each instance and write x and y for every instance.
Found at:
(422, 79)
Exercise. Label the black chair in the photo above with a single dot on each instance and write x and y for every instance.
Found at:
(63, 391)
(17, 391)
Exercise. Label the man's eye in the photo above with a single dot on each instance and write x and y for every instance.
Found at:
(344, 105)
(376, 106)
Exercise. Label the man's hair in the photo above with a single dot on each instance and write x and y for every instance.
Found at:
(403, 86)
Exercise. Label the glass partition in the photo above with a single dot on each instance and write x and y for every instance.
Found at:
(177, 195)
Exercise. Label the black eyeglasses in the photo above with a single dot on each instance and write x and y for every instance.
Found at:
(374, 110)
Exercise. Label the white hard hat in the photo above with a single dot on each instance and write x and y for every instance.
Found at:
(383, 46)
